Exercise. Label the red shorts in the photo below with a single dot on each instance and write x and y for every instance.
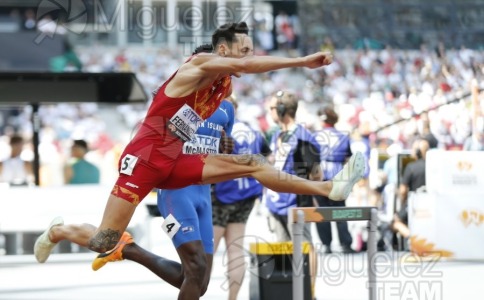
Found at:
(148, 164)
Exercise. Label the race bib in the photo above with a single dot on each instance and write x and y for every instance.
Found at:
(184, 123)
(202, 144)
(127, 164)
(170, 226)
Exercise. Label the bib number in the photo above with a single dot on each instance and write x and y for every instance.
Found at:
(170, 226)
(128, 163)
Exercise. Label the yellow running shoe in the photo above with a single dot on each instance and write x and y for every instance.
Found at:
(115, 254)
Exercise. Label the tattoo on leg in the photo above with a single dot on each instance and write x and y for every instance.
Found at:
(258, 160)
(104, 240)
(242, 159)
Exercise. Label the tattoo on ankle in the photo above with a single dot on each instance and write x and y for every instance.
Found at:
(104, 240)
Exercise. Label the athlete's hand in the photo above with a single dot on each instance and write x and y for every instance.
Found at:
(226, 143)
(318, 59)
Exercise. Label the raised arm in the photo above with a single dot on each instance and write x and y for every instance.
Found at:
(215, 64)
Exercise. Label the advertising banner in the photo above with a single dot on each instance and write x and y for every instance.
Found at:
(447, 225)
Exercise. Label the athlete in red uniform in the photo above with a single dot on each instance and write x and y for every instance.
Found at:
(154, 159)
(154, 155)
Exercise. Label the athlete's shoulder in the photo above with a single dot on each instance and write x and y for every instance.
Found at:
(200, 58)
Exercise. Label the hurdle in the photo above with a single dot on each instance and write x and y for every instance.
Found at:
(301, 215)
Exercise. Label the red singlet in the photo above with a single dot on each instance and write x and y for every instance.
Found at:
(154, 158)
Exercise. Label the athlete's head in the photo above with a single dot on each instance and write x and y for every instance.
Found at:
(232, 40)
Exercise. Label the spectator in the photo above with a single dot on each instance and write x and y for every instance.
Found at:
(386, 207)
(413, 179)
(295, 151)
(79, 170)
(335, 151)
(15, 170)
(360, 142)
(68, 61)
(428, 135)
(475, 142)
(29, 22)
(285, 35)
(390, 166)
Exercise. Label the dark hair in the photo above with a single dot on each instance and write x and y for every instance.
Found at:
(418, 153)
(227, 33)
(81, 143)
(287, 103)
(328, 115)
(205, 48)
(16, 139)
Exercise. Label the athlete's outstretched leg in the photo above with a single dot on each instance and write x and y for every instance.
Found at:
(225, 167)
(168, 270)
(117, 214)
(190, 276)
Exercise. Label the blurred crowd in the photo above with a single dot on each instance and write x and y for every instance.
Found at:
(370, 89)
(373, 88)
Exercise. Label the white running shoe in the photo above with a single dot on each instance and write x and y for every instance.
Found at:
(43, 246)
(344, 181)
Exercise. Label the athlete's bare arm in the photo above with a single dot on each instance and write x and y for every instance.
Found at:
(215, 64)
(203, 69)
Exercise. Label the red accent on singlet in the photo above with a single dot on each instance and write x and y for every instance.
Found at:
(205, 101)
(153, 129)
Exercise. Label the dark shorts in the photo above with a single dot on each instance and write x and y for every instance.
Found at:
(238, 212)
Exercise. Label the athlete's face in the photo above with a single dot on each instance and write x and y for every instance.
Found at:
(242, 46)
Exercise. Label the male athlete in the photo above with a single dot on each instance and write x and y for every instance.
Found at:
(154, 158)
